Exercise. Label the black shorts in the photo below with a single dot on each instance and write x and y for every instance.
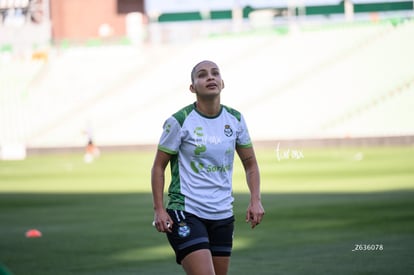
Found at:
(191, 233)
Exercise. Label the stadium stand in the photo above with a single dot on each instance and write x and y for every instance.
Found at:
(16, 78)
(350, 80)
(301, 104)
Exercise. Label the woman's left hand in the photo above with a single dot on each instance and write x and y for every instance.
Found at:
(255, 213)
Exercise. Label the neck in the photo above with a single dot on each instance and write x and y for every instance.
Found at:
(210, 108)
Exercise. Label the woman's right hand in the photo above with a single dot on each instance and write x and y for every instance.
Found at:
(162, 221)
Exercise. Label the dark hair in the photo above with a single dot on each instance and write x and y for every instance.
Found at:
(193, 72)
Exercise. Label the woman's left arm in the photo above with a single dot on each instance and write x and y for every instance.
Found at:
(255, 210)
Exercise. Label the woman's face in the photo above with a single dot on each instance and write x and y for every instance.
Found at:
(207, 80)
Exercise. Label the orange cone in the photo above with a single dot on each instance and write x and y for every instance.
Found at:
(33, 233)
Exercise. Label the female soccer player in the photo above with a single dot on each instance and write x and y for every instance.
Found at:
(199, 142)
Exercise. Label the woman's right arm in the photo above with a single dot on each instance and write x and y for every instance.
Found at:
(162, 220)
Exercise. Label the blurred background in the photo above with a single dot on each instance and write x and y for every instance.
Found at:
(308, 72)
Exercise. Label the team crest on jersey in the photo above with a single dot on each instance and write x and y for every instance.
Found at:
(183, 230)
(227, 130)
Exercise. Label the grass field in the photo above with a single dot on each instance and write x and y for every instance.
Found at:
(96, 218)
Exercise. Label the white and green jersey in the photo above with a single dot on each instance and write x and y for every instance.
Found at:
(202, 150)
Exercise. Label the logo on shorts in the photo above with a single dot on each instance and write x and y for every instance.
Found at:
(183, 230)
(227, 130)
